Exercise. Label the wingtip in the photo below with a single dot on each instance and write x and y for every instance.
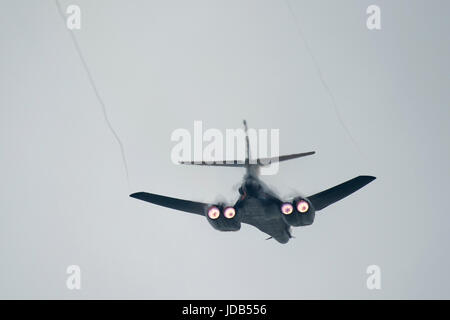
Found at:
(368, 178)
(135, 195)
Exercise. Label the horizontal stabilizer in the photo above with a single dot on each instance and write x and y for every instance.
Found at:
(241, 164)
(267, 161)
(325, 198)
(231, 163)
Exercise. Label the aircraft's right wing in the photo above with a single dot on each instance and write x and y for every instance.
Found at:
(325, 198)
(173, 203)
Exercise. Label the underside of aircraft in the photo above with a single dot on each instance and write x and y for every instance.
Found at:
(258, 205)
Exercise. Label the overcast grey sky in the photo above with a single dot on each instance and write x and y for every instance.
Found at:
(160, 65)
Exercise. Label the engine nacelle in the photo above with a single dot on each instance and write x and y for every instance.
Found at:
(223, 218)
(299, 212)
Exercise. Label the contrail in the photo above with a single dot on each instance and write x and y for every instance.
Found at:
(319, 72)
(94, 88)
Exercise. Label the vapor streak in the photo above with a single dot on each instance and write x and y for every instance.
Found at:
(96, 92)
(322, 79)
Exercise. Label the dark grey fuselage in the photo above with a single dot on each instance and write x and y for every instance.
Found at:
(260, 207)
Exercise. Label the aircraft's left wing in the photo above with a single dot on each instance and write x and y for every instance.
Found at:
(173, 203)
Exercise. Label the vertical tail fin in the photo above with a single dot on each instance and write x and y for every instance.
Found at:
(247, 143)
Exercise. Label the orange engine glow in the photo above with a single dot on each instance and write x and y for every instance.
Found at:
(302, 206)
(213, 213)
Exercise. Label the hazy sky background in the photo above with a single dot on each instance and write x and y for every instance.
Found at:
(160, 65)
